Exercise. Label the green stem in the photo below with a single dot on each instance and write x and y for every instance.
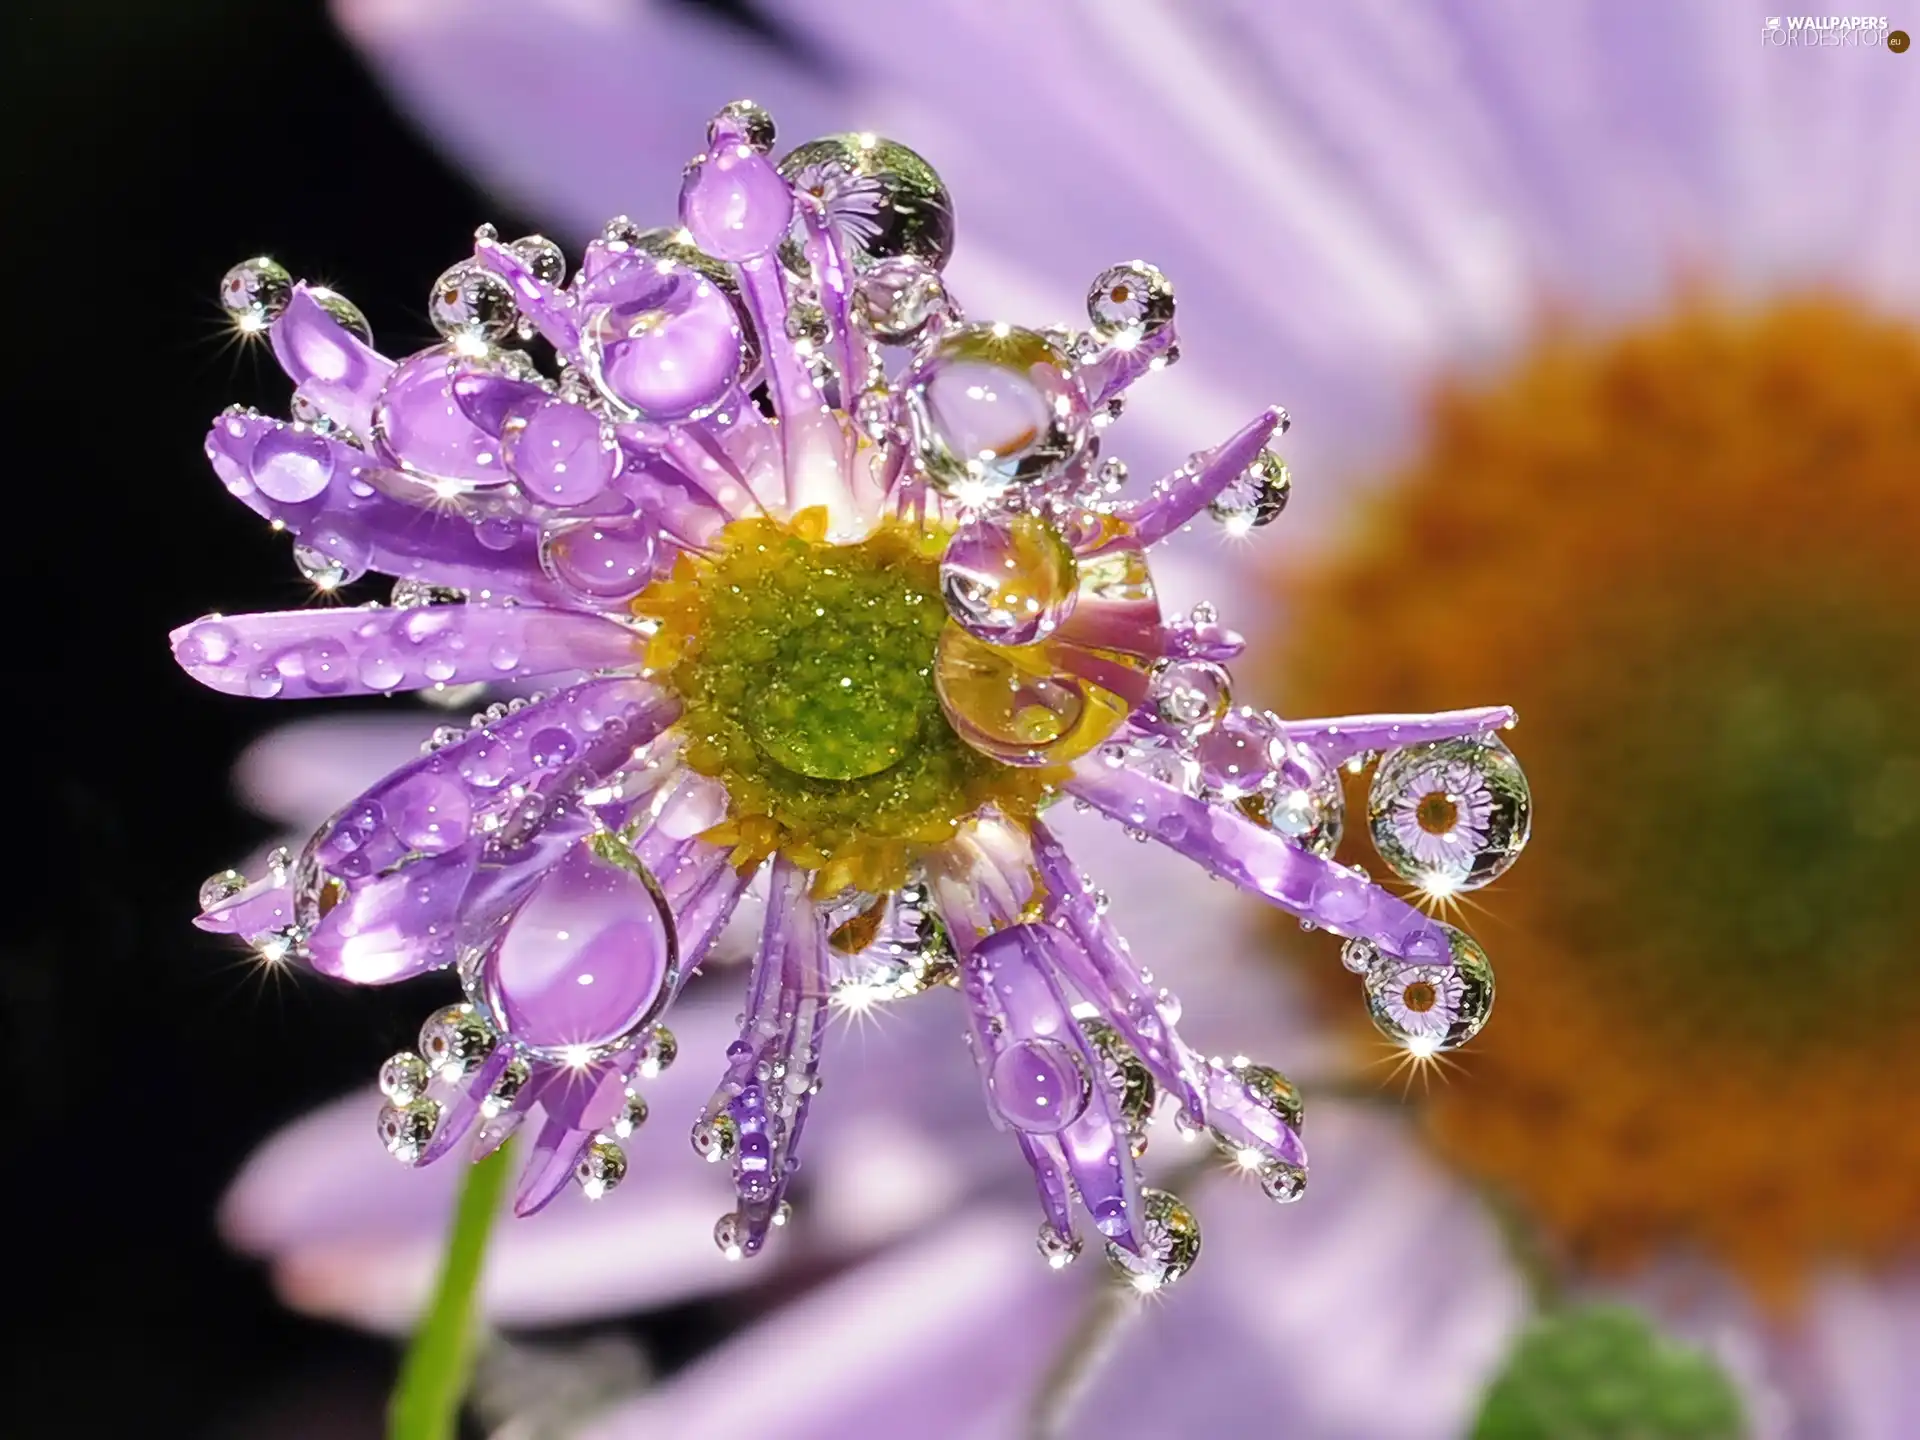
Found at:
(439, 1360)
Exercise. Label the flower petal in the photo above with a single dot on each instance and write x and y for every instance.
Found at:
(576, 109)
(945, 1338)
(300, 773)
(317, 653)
(1377, 1305)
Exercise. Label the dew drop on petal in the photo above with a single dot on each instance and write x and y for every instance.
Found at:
(1039, 1085)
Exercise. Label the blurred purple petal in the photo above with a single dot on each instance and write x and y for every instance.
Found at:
(576, 111)
(944, 1338)
(303, 772)
(354, 1236)
(1378, 1305)
(1866, 1335)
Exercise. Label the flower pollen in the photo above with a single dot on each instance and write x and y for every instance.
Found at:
(807, 673)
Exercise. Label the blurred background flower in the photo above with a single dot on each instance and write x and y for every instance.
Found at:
(1662, 278)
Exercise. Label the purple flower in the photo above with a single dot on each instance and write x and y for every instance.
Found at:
(1419, 184)
(816, 623)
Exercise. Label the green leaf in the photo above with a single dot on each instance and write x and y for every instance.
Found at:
(433, 1377)
(1604, 1373)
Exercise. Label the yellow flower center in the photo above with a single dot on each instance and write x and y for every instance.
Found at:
(1686, 554)
(807, 674)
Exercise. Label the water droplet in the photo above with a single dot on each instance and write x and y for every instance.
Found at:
(318, 568)
(546, 259)
(1021, 714)
(588, 957)
(506, 1088)
(729, 1234)
(1169, 1243)
(1009, 579)
(1189, 695)
(667, 348)
(655, 1052)
(742, 122)
(1306, 802)
(633, 1114)
(1450, 815)
(881, 200)
(601, 1168)
(600, 559)
(1282, 1181)
(429, 813)
(888, 949)
(895, 299)
(414, 594)
(1039, 1085)
(1058, 1250)
(380, 668)
(469, 302)
(561, 454)
(406, 1129)
(1256, 496)
(454, 1040)
(993, 409)
(420, 426)
(256, 293)
(716, 1139)
(1240, 755)
(1428, 1008)
(342, 311)
(1126, 1078)
(1359, 955)
(1130, 302)
(1269, 1088)
(404, 1077)
(221, 886)
(291, 465)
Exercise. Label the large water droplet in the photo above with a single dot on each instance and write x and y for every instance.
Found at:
(1169, 1243)
(894, 299)
(1450, 815)
(589, 957)
(994, 409)
(667, 348)
(561, 454)
(1256, 496)
(1039, 1085)
(1009, 579)
(471, 303)
(255, 293)
(1429, 1008)
(880, 199)
(1240, 755)
(420, 426)
(1130, 302)
(600, 559)
(291, 465)
(1306, 802)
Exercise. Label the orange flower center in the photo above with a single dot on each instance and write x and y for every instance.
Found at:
(1686, 554)
(1436, 813)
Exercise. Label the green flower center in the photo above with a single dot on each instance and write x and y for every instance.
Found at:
(846, 703)
(1778, 884)
(806, 670)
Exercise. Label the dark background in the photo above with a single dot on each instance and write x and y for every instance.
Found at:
(148, 146)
